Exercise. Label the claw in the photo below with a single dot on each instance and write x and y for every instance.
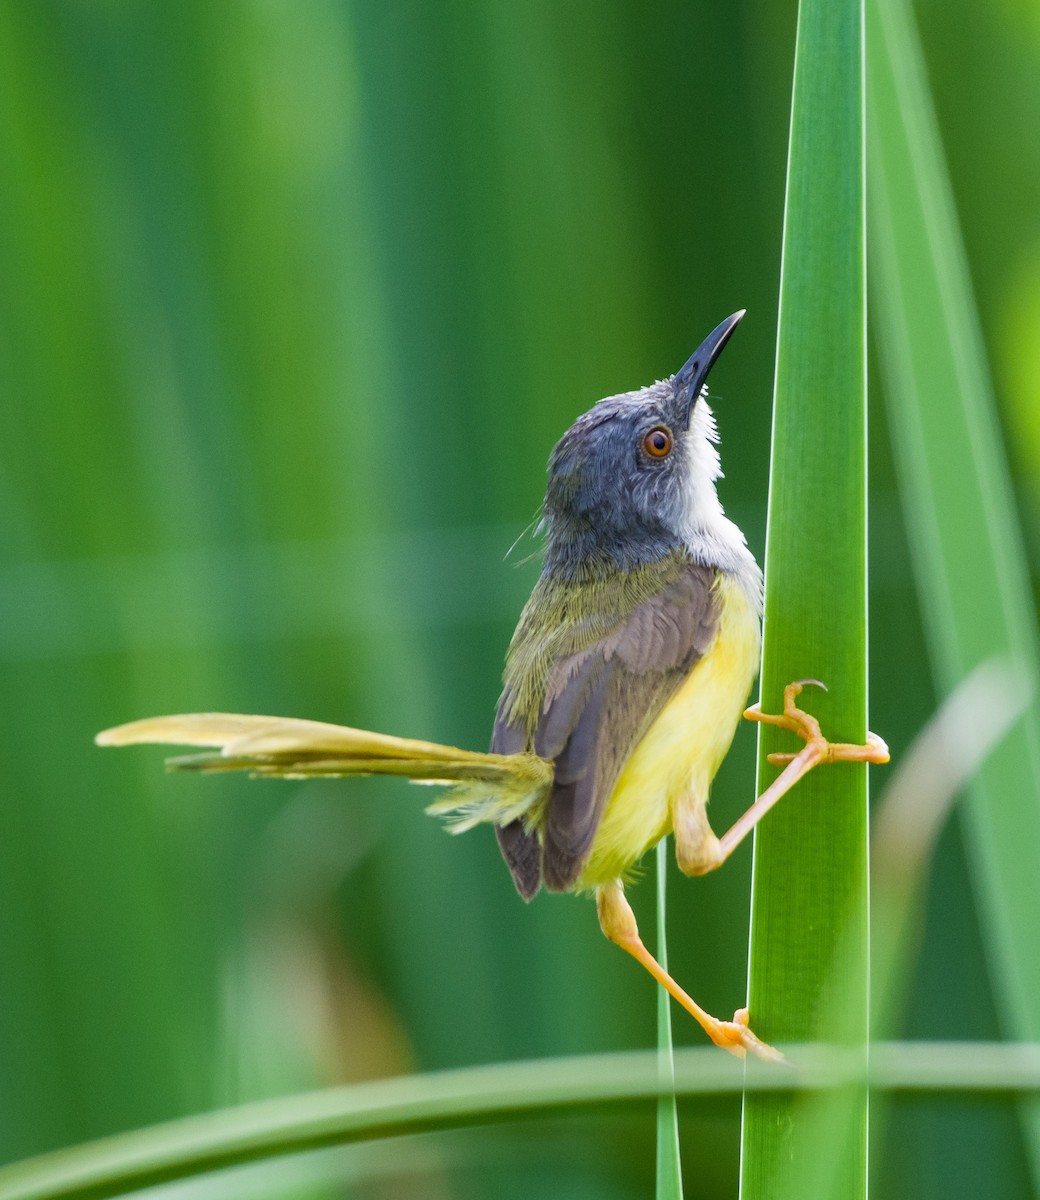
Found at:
(736, 1037)
(804, 683)
(780, 759)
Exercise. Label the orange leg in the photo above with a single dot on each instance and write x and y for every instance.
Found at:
(618, 922)
(815, 751)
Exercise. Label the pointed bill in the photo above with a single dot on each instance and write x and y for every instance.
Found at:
(693, 376)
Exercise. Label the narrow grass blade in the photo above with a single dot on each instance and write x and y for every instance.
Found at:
(809, 904)
(968, 555)
(388, 1108)
(669, 1163)
(191, 1147)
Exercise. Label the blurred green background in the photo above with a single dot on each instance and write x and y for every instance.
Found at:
(295, 298)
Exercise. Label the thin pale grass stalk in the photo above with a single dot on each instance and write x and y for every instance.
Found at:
(913, 809)
(669, 1162)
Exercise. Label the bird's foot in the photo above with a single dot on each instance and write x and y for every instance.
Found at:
(736, 1037)
(805, 725)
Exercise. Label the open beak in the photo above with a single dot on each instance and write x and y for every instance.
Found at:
(690, 380)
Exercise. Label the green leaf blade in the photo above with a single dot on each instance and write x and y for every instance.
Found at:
(808, 961)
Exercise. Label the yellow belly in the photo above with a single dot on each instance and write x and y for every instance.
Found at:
(680, 753)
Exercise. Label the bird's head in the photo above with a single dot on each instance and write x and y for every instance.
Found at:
(633, 479)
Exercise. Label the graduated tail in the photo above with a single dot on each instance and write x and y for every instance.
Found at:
(492, 788)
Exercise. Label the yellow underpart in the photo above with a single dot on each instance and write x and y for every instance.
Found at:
(681, 752)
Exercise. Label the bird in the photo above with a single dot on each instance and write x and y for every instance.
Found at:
(623, 687)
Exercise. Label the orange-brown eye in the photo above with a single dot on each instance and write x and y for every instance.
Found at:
(658, 442)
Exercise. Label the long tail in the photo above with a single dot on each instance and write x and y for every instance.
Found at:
(495, 788)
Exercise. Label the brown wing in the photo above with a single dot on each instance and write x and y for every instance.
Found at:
(599, 700)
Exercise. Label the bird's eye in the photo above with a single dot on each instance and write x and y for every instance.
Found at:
(658, 442)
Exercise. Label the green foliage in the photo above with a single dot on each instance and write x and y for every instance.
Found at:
(474, 1096)
(808, 966)
(977, 605)
(296, 299)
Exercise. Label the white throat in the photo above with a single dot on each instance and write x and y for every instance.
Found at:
(709, 534)
(701, 508)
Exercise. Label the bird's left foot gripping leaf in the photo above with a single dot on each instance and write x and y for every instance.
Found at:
(737, 1037)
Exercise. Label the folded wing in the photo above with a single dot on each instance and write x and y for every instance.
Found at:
(599, 699)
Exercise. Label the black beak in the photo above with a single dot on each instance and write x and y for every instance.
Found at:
(692, 377)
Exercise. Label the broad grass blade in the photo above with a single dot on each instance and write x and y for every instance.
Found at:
(809, 903)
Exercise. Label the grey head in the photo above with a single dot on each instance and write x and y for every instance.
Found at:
(633, 479)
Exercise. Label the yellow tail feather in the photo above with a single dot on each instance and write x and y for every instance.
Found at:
(493, 788)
